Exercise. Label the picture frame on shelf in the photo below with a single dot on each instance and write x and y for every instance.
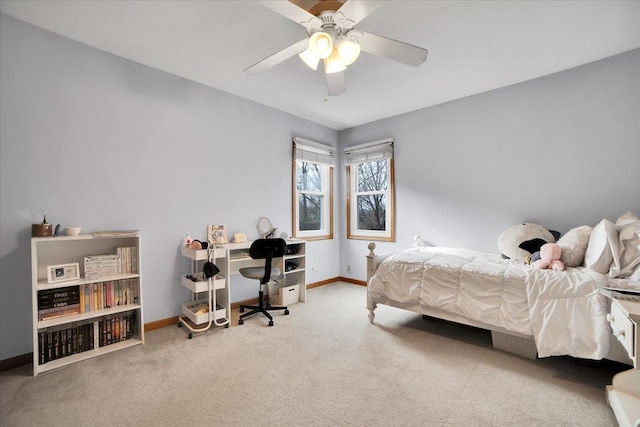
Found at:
(63, 272)
(216, 235)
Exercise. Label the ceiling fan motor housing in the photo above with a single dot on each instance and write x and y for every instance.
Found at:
(335, 24)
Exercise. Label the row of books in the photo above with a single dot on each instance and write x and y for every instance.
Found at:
(98, 266)
(57, 342)
(86, 298)
(112, 293)
(61, 342)
(127, 259)
(116, 329)
(124, 261)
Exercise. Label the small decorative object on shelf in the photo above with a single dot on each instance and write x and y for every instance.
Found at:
(41, 230)
(196, 244)
(239, 238)
(217, 235)
(264, 227)
(187, 240)
(63, 272)
(71, 231)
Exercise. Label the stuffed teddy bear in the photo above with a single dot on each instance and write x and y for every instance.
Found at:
(549, 257)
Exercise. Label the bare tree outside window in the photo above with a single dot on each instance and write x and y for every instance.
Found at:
(311, 199)
(370, 199)
(312, 190)
(372, 184)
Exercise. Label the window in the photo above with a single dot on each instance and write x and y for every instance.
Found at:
(312, 190)
(370, 195)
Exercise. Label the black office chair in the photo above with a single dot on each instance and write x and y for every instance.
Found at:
(266, 249)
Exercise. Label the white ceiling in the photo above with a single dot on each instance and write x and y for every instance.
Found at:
(474, 46)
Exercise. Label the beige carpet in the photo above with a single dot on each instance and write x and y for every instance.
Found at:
(322, 365)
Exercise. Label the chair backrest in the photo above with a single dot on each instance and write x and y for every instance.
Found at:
(267, 249)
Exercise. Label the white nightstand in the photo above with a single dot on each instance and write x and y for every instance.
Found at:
(624, 393)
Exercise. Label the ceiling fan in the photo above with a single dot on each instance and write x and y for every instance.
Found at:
(331, 37)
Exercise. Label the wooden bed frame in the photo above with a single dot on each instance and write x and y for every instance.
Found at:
(512, 342)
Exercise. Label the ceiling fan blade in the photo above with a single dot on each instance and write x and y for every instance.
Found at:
(355, 11)
(278, 57)
(335, 83)
(393, 49)
(293, 12)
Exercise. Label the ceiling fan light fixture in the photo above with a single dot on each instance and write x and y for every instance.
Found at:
(348, 51)
(321, 45)
(334, 64)
(310, 59)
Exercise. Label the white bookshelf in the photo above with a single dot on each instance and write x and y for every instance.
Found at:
(125, 312)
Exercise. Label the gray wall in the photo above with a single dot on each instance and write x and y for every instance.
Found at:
(562, 150)
(91, 139)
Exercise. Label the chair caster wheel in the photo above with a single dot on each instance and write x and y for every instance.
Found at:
(240, 322)
(190, 335)
(226, 326)
(241, 310)
(286, 312)
(179, 324)
(270, 322)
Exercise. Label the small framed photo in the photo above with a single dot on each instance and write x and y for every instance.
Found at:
(63, 272)
(216, 234)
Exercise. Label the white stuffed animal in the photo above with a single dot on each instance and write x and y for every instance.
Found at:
(522, 240)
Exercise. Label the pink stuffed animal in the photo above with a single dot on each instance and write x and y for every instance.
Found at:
(549, 257)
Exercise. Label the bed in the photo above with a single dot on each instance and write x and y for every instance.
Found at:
(530, 312)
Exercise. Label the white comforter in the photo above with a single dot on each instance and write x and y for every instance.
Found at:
(560, 309)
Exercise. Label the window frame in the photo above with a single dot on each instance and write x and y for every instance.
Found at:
(327, 172)
(387, 235)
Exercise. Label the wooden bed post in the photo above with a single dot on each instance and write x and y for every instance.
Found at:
(371, 268)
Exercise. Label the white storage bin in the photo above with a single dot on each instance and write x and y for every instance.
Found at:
(200, 318)
(202, 285)
(284, 295)
(203, 254)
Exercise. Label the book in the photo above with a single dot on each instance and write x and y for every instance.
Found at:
(113, 233)
(59, 303)
(57, 292)
(56, 344)
(42, 347)
(52, 301)
(97, 266)
(80, 339)
(59, 312)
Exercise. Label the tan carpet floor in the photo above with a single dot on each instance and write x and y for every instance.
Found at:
(323, 365)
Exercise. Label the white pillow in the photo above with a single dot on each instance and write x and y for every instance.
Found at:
(629, 243)
(574, 245)
(602, 248)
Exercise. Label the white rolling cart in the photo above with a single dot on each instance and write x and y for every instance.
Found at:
(200, 314)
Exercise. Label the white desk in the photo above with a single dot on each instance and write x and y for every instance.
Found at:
(231, 257)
